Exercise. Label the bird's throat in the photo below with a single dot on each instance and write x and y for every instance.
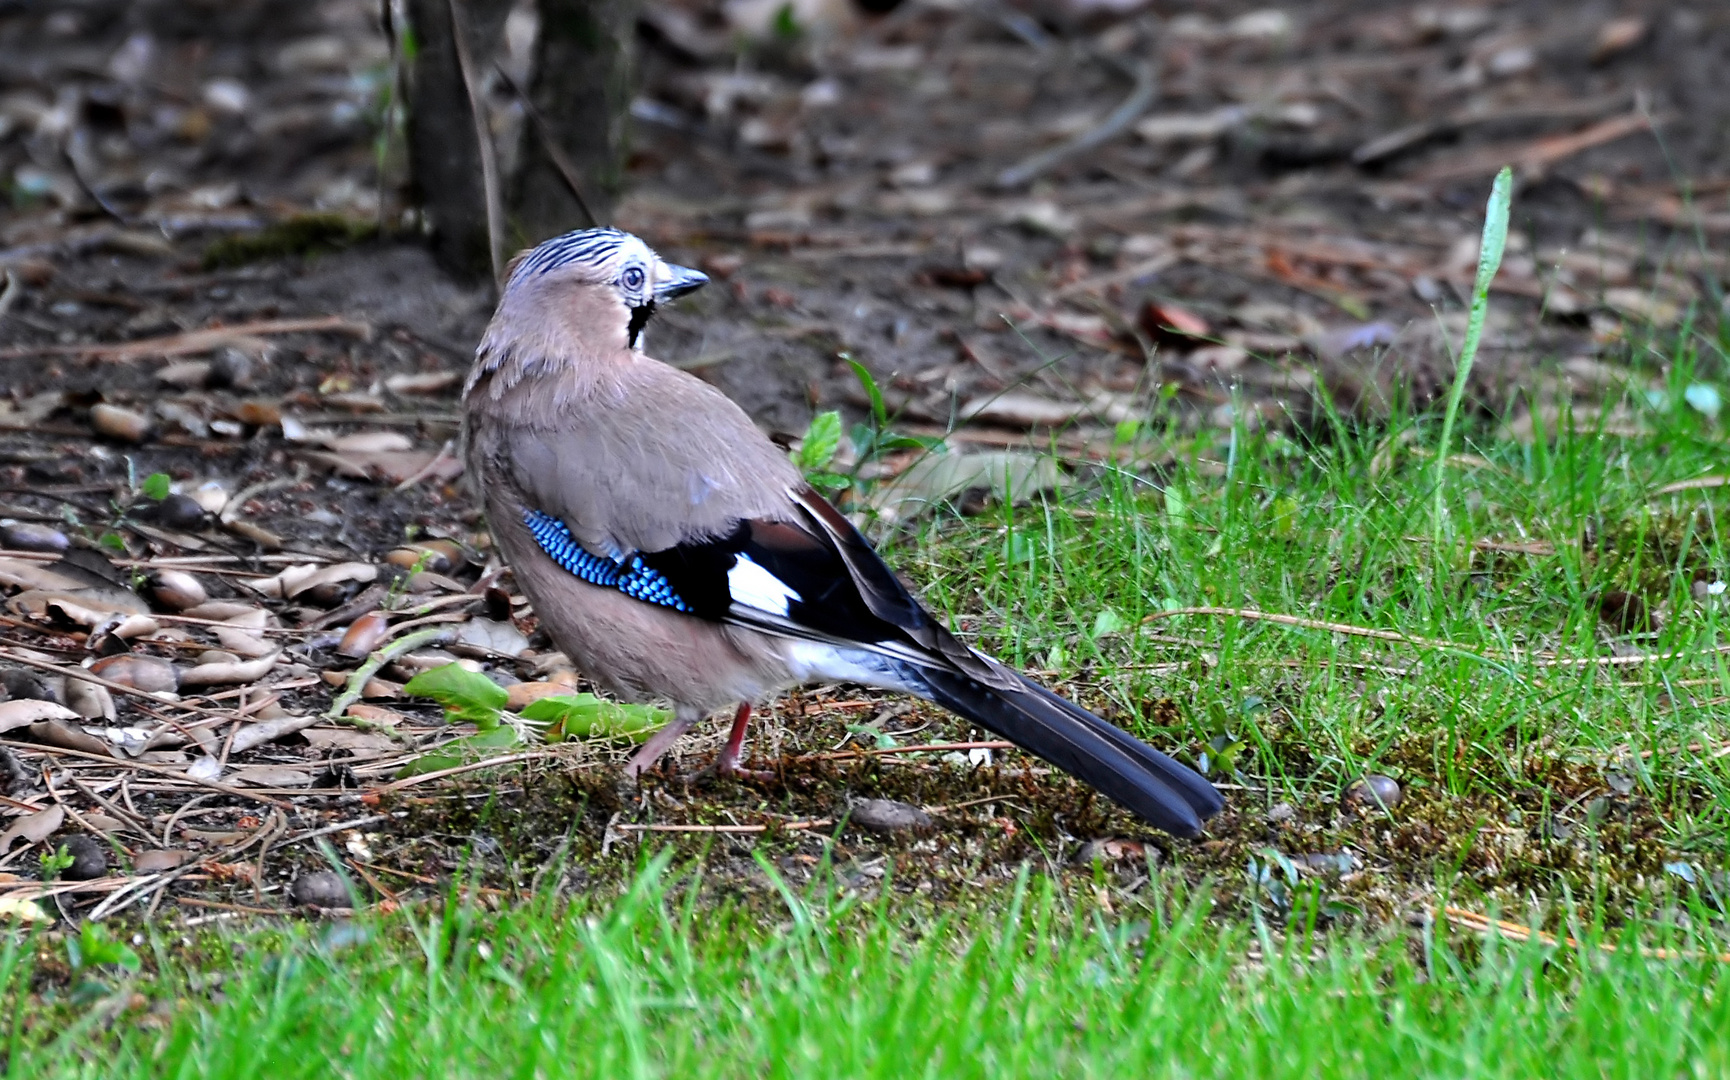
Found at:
(640, 317)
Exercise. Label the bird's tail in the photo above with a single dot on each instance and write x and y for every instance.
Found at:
(1162, 792)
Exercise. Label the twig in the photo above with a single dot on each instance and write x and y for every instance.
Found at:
(428, 469)
(555, 153)
(193, 341)
(886, 751)
(218, 905)
(439, 774)
(380, 657)
(13, 656)
(1115, 124)
(791, 826)
(1437, 643)
(139, 766)
(483, 139)
(326, 830)
(1484, 924)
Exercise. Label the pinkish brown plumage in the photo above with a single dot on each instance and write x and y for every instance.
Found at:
(674, 553)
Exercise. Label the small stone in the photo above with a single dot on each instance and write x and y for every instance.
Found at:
(319, 889)
(24, 536)
(178, 511)
(118, 423)
(231, 368)
(887, 815)
(1376, 790)
(89, 858)
(1281, 812)
(1115, 849)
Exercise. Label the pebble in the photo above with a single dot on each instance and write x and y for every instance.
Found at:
(178, 511)
(230, 368)
(1112, 850)
(118, 423)
(887, 815)
(319, 889)
(146, 673)
(1377, 790)
(89, 858)
(24, 536)
(1281, 812)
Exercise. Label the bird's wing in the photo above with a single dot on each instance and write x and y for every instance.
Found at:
(650, 459)
(816, 579)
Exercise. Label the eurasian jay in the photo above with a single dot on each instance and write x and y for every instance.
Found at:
(673, 551)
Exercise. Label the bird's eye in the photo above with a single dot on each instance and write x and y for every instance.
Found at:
(632, 278)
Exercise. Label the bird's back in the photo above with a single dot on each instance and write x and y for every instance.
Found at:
(632, 454)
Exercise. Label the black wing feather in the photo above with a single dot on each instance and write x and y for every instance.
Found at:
(848, 597)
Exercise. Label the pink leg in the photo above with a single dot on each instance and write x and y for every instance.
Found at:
(727, 763)
(659, 743)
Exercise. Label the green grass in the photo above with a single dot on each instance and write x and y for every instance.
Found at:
(656, 984)
(1339, 530)
(1526, 794)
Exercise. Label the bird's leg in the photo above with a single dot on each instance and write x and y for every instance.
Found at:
(727, 761)
(659, 743)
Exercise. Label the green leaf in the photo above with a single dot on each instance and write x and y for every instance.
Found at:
(583, 716)
(821, 440)
(1489, 261)
(462, 751)
(467, 696)
(878, 411)
(155, 486)
(1107, 622)
(94, 946)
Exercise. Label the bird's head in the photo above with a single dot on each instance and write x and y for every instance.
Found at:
(607, 271)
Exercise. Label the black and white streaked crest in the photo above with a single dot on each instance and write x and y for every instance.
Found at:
(616, 257)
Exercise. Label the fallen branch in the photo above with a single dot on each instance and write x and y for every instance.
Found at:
(193, 341)
(1115, 124)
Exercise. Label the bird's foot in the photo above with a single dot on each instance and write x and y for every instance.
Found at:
(729, 767)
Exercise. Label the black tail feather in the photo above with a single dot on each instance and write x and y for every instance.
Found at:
(1161, 791)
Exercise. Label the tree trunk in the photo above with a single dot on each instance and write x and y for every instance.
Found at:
(583, 83)
(574, 136)
(444, 153)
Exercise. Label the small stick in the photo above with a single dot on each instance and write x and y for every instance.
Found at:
(1115, 124)
(192, 341)
(61, 751)
(847, 754)
(791, 826)
(1484, 924)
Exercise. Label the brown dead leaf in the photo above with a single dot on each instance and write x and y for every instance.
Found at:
(17, 714)
(33, 828)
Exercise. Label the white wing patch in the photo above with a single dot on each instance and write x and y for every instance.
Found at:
(751, 585)
(814, 661)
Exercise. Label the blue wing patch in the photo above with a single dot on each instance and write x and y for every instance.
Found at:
(630, 576)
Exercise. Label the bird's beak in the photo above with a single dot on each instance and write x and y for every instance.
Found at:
(677, 281)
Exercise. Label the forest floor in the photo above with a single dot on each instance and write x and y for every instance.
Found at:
(208, 279)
